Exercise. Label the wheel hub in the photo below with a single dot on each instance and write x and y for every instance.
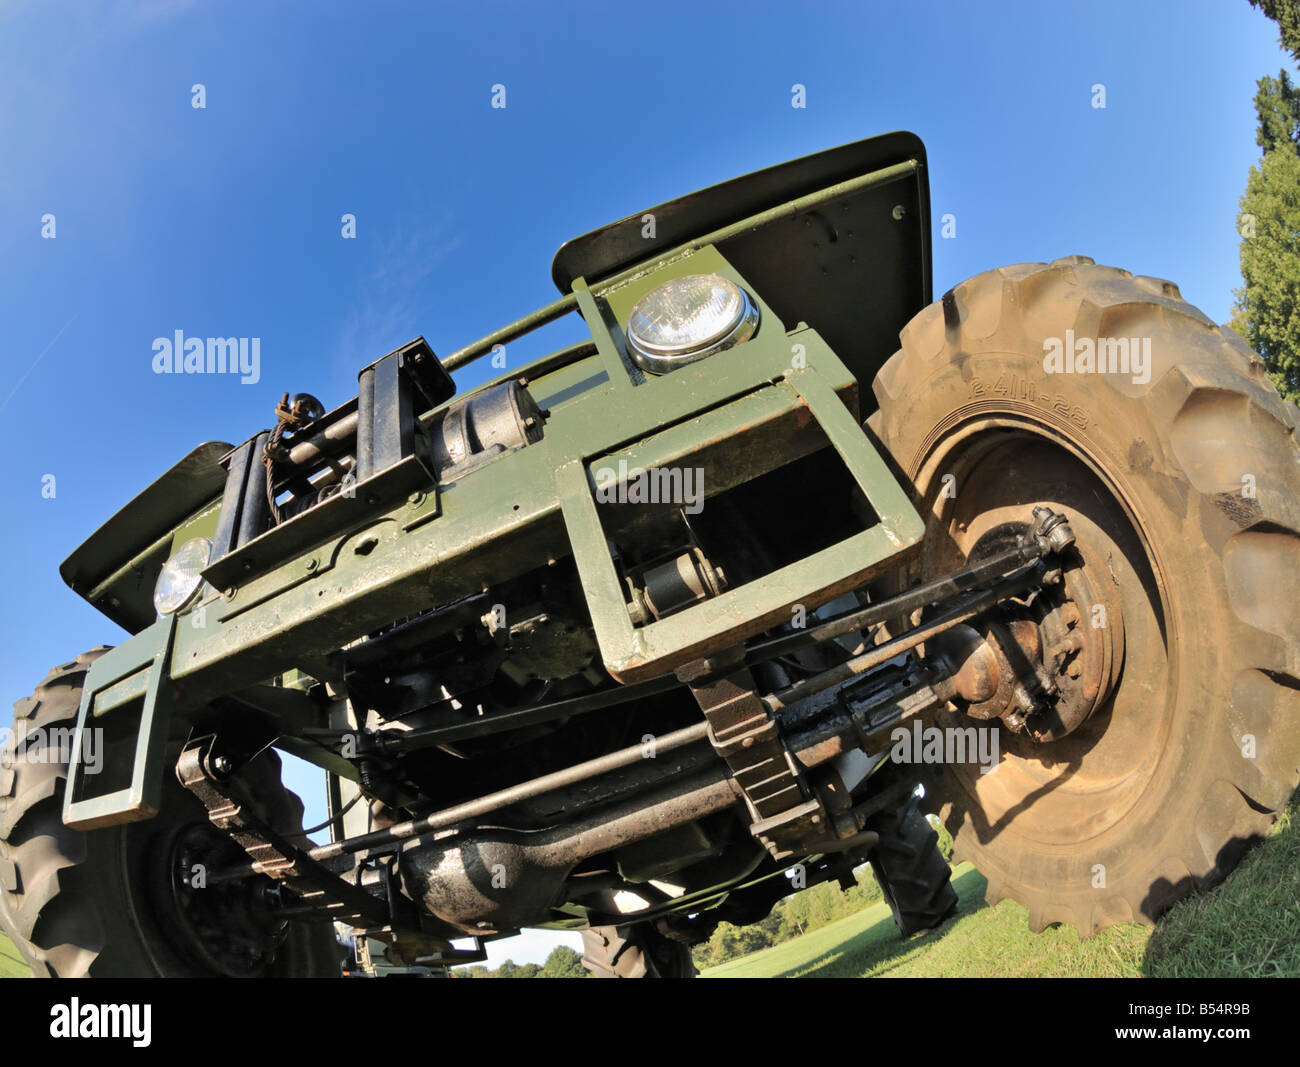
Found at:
(231, 926)
(1082, 640)
(1048, 661)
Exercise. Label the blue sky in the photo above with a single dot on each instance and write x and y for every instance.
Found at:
(225, 221)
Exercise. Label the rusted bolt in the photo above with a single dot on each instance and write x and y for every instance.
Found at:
(1071, 643)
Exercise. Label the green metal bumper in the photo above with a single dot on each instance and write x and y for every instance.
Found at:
(737, 415)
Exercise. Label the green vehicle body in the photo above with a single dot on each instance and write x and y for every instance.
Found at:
(642, 635)
(834, 250)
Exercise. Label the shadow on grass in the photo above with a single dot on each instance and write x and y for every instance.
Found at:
(1248, 927)
(878, 949)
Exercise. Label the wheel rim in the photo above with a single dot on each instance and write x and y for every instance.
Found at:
(1070, 790)
(228, 929)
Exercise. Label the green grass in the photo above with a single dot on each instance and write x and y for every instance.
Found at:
(980, 942)
(1247, 927)
(11, 964)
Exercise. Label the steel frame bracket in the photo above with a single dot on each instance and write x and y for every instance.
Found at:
(786, 812)
(633, 653)
(272, 854)
(393, 460)
(126, 691)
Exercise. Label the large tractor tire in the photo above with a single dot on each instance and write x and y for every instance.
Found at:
(635, 951)
(914, 878)
(1183, 488)
(109, 902)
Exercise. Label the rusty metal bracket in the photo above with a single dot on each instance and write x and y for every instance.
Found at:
(787, 814)
(210, 777)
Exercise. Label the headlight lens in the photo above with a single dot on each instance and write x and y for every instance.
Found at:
(687, 319)
(180, 578)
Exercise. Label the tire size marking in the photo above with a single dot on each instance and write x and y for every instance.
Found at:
(1015, 387)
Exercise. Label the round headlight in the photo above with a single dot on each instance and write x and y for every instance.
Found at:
(687, 319)
(180, 578)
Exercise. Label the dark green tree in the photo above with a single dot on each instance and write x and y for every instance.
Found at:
(563, 962)
(1277, 106)
(1267, 308)
(1286, 13)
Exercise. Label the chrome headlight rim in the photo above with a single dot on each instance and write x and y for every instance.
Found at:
(181, 576)
(658, 358)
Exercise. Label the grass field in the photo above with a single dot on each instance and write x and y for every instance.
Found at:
(1247, 927)
(981, 941)
(11, 964)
